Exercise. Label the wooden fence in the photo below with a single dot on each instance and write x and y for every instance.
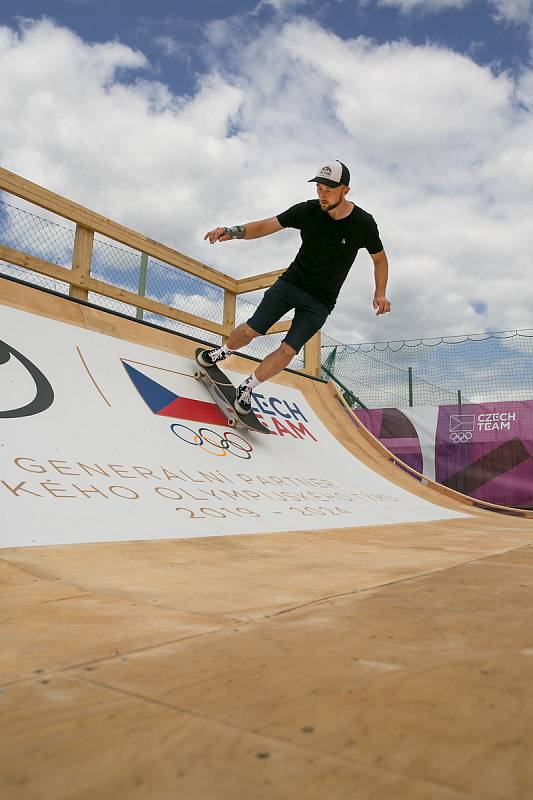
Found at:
(78, 277)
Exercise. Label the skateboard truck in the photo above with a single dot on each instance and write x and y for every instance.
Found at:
(212, 387)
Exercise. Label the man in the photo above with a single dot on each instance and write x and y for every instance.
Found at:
(332, 230)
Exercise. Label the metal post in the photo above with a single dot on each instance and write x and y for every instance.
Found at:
(459, 398)
(348, 394)
(142, 282)
(410, 373)
(330, 360)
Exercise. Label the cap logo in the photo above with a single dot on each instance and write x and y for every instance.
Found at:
(333, 174)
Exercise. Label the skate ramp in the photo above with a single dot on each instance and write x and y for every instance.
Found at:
(111, 440)
(380, 650)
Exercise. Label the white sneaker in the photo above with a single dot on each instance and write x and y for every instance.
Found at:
(243, 399)
(208, 358)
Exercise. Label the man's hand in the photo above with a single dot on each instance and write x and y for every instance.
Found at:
(382, 304)
(218, 235)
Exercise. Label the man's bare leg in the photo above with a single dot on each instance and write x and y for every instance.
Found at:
(240, 337)
(275, 362)
(270, 366)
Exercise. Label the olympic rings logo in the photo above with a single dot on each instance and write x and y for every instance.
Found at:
(226, 444)
(463, 436)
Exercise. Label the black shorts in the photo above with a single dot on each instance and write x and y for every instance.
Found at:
(309, 313)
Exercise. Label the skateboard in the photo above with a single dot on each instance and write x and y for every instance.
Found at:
(224, 393)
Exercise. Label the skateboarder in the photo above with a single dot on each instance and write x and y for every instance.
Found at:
(332, 230)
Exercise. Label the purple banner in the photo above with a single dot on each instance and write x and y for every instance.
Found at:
(396, 432)
(483, 450)
(486, 451)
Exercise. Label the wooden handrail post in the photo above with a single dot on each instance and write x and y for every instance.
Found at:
(230, 302)
(312, 363)
(81, 261)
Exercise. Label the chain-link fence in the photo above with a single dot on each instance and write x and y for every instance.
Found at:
(52, 239)
(431, 372)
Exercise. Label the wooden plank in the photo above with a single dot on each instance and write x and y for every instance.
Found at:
(230, 302)
(280, 327)
(66, 737)
(81, 261)
(312, 356)
(408, 693)
(133, 299)
(370, 700)
(33, 193)
(35, 264)
(256, 282)
(91, 284)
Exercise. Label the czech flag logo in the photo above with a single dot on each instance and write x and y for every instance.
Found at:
(164, 403)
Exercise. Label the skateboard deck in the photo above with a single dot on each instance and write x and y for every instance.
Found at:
(224, 393)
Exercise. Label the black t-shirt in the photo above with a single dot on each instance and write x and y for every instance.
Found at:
(328, 249)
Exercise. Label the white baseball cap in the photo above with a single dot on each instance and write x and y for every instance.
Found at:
(333, 174)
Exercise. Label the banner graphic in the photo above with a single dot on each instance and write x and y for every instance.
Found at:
(483, 450)
(106, 440)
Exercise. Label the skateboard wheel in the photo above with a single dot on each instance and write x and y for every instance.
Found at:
(197, 374)
(232, 422)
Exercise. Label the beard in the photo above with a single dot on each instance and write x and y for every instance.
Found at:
(331, 206)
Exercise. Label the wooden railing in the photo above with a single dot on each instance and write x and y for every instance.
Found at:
(80, 280)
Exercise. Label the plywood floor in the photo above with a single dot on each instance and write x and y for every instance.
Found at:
(367, 664)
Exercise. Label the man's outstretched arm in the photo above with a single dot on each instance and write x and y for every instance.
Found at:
(252, 230)
(381, 274)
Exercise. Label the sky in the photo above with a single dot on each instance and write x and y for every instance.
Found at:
(173, 117)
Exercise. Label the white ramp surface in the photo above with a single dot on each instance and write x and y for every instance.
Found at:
(107, 440)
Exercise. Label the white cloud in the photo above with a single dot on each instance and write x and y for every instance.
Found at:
(440, 151)
(169, 45)
(514, 11)
(429, 6)
(281, 6)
